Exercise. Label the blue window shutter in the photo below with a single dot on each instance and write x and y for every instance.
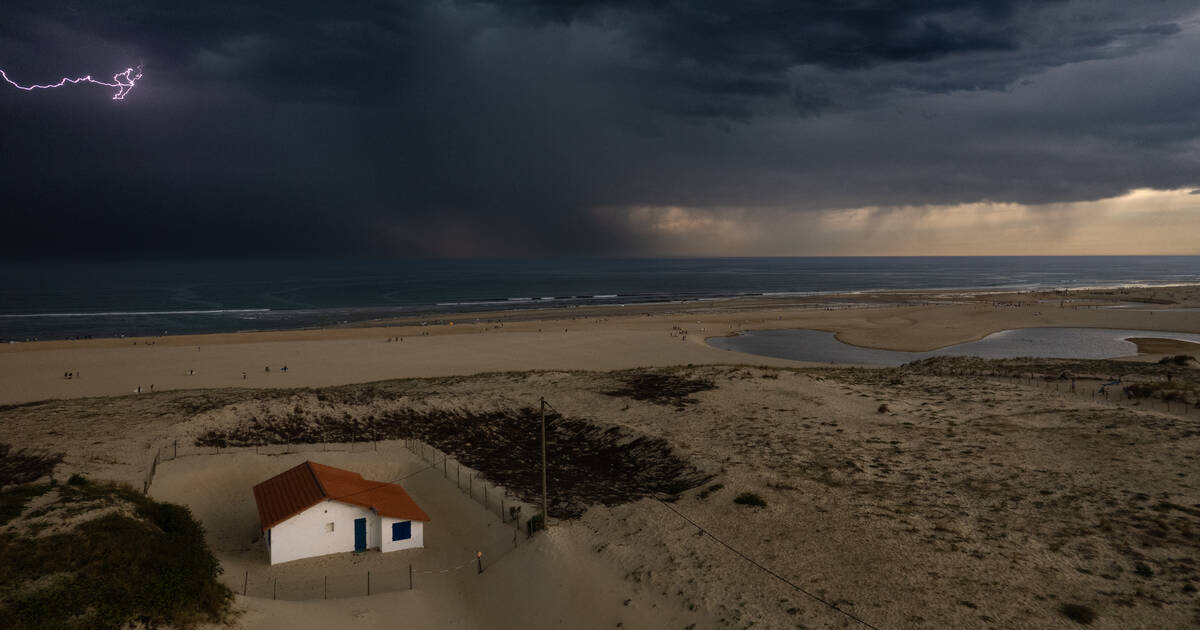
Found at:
(402, 531)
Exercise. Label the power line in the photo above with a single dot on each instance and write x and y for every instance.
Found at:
(768, 571)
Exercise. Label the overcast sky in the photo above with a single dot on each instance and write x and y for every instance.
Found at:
(445, 128)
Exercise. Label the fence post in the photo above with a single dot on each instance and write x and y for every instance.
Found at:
(368, 582)
(176, 450)
(245, 582)
(326, 587)
(410, 577)
(274, 587)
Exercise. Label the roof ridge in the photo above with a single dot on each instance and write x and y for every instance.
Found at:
(317, 478)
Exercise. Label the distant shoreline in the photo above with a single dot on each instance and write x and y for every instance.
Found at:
(596, 338)
(550, 312)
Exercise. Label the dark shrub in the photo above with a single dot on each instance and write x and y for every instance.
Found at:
(1078, 613)
(750, 498)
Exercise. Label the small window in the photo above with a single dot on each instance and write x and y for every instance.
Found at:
(328, 527)
(402, 531)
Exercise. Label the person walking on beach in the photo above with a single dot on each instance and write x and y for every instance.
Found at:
(243, 375)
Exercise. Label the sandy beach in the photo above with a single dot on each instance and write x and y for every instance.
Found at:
(605, 338)
(954, 495)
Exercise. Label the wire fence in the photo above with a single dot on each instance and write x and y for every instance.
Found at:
(177, 449)
(469, 481)
(1094, 390)
(494, 498)
(399, 576)
(406, 575)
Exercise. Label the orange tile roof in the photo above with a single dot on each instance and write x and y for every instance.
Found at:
(297, 489)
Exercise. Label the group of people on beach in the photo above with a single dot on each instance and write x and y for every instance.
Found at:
(70, 375)
(267, 368)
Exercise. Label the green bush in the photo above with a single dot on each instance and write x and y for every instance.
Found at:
(150, 569)
(76, 479)
(750, 498)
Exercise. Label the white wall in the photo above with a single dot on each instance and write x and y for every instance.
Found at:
(417, 540)
(304, 535)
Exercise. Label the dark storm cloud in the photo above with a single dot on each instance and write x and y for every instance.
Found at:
(748, 48)
(418, 128)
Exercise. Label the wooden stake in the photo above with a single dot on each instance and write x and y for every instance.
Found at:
(545, 500)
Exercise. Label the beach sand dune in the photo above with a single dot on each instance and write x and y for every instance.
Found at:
(930, 495)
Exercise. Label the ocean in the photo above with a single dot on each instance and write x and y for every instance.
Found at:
(56, 300)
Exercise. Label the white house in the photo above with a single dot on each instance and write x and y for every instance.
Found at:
(314, 510)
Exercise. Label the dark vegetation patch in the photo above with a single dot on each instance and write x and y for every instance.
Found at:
(146, 566)
(588, 464)
(1078, 613)
(14, 498)
(1169, 381)
(749, 498)
(660, 387)
(1049, 369)
(1178, 359)
(19, 465)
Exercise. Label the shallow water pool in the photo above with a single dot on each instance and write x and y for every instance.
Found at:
(1061, 343)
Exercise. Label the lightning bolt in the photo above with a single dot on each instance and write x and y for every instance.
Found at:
(122, 81)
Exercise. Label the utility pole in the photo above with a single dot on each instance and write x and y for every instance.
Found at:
(545, 501)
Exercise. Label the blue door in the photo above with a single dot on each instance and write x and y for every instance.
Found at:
(360, 534)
